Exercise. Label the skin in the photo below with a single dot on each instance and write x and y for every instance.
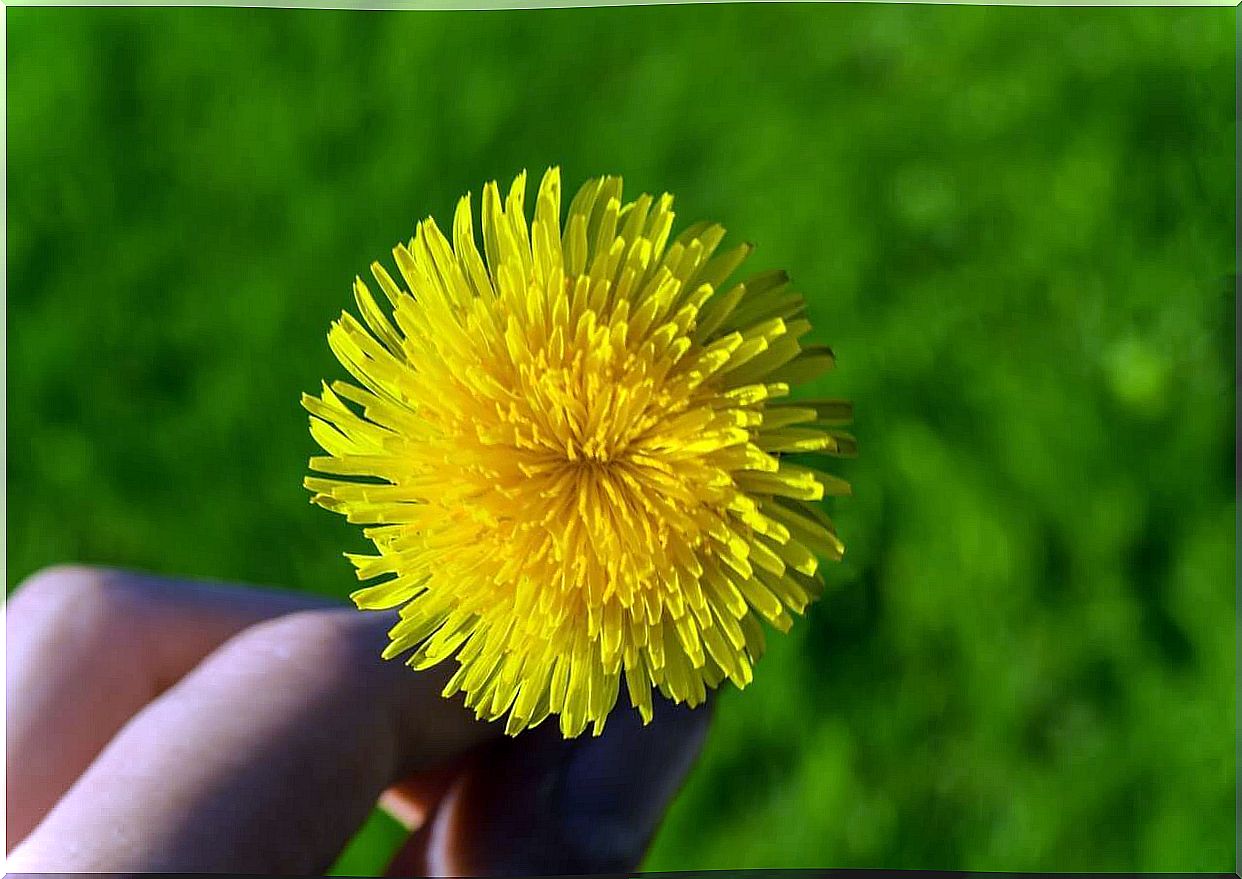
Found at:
(168, 725)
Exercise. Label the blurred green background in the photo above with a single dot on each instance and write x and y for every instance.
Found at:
(1015, 226)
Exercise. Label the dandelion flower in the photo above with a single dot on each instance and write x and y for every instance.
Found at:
(571, 453)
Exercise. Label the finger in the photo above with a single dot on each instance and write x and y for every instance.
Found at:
(86, 649)
(413, 798)
(540, 805)
(264, 759)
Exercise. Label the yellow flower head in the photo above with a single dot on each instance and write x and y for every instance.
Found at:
(571, 453)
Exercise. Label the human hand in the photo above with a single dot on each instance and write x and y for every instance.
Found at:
(159, 725)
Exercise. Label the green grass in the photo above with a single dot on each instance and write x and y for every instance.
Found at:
(1015, 227)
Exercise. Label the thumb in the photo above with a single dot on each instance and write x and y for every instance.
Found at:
(541, 805)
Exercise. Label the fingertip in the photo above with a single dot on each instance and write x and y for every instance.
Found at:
(542, 805)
